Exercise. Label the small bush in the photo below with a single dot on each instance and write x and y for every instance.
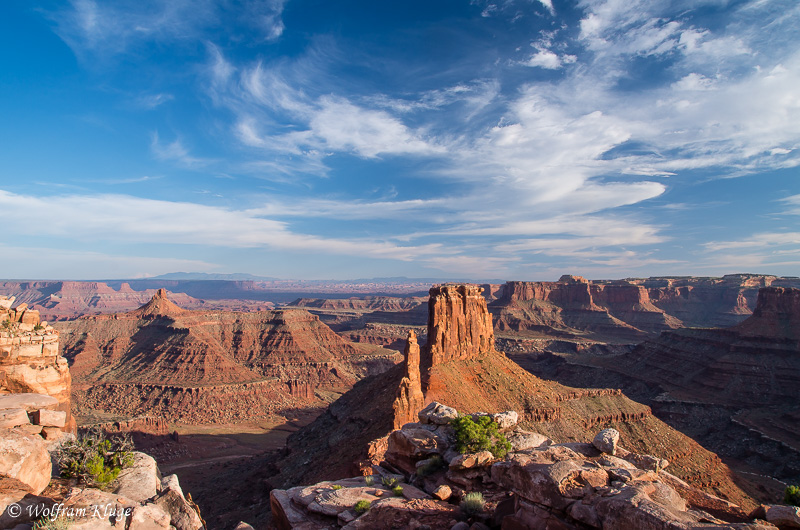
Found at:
(95, 459)
(473, 503)
(472, 437)
(59, 523)
(370, 480)
(361, 507)
(398, 491)
(434, 464)
(389, 482)
(336, 487)
(791, 495)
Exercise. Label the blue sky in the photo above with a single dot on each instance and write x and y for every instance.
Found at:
(518, 139)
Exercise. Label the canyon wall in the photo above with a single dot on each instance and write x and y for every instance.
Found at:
(29, 357)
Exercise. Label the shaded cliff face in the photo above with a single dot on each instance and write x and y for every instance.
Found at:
(463, 370)
(165, 356)
(753, 363)
(777, 315)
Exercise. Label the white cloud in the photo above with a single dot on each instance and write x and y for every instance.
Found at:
(548, 4)
(549, 60)
(132, 219)
(177, 152)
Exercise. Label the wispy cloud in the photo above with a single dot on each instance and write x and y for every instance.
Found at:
(105, 29)
(175, 151)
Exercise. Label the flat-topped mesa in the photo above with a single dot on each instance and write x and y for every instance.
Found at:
(159, 305)
(459, 325)
(777, 314)
(410, 399)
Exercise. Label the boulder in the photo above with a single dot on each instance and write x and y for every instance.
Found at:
(506, 420)
(10, 418)
(29, 401)
(471, 460)
(183, 515)
(24, 463)
(171, 482)
(412, 443)
(243, 526)
(783, 516)
(651, 463)
(50, 418)
(606, 441)
(149, 517)
(437, 413)
(522, 440)
(140, 481)
(443, 492)
(100, 510)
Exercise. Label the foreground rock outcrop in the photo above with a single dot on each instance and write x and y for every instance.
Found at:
(423, 482)
(29, 358)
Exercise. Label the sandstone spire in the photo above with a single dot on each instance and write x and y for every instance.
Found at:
(409, 398)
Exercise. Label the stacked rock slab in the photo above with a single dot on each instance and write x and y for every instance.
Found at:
(29, 358)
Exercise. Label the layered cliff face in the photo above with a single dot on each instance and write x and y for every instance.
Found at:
(777, 315)
(461, 367)
(576, 308)
(626, 310)
(166, 360)
(29, 357)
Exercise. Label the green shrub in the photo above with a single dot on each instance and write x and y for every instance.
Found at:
(361, 507)
(337, 486)
(434, 464)
(369, 480)
(791, 495)
(389, 482)
(472, 437)
(59, 523)
(95, 459)
(473, 503)
(398, 491)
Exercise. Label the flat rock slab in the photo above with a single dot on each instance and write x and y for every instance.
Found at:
(50, 418)
(10, 418)
(29, 401)
(332, 502)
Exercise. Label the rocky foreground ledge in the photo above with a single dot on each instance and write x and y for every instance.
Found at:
(30, 490)
(537, 485)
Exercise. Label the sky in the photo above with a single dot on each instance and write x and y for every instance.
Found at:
(514, 139)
